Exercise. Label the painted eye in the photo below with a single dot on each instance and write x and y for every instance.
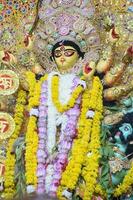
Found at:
(126, 128)
(69, 52)
(57, 53)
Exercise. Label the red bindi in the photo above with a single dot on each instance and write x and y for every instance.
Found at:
(62, 48)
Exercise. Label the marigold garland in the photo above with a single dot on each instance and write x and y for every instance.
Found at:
(34, 89)
(31, 134)
(81, 145)
(126, 184)
(55, 95)
(31, 81)
(91, 165)
(30, 155)
(10, 158)
(99, 190)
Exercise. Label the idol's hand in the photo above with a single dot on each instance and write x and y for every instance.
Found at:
(7, 58)
(117, 76)
(28, 41)
(37, 69)
(89, 70)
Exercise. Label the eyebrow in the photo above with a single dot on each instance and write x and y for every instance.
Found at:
(65, 49)
(70, 49)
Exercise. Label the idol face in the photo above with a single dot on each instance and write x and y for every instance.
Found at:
(65, 57)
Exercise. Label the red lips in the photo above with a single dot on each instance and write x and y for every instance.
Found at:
(87, 69)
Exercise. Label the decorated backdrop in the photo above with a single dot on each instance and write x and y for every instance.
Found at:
(66, 99)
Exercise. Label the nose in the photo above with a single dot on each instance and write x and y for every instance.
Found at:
(62, 59)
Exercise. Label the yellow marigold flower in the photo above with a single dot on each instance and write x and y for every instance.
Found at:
(86, 132)
(55, 95)
(126, 184)
(10, 158)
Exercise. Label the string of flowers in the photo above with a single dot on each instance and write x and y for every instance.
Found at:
(73, 168)
(32, 135)
(99, 190)
(35, 89)
(31, 81)
(126, 184)
(10, 157)
(55, 95)
(66, 135)
(57, 162)
(30, 155)
(80, 146)
(42, 136)
(91, 165)
(49, 170)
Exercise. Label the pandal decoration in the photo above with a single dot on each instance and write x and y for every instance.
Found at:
(59, 167)
(86, 145)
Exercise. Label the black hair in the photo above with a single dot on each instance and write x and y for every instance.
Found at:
(128, 118)
(67, 43)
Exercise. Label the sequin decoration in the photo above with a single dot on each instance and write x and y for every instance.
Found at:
(12, 7)
(7, 36)
(16, 20)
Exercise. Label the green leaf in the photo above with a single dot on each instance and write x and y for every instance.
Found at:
(110, 190)
(112, 108)
(105, 184)
(106, 152)
(105, 170)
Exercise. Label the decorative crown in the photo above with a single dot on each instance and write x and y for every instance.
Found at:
(66, 20)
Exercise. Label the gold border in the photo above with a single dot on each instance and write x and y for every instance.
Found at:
(11, 125)
(15, 82)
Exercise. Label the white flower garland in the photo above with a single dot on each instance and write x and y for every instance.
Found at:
(49, 177)
(55, 118)
(53, 114)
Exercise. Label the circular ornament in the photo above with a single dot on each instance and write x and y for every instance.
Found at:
(64, 30)
(9, 82)
(7, 125)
